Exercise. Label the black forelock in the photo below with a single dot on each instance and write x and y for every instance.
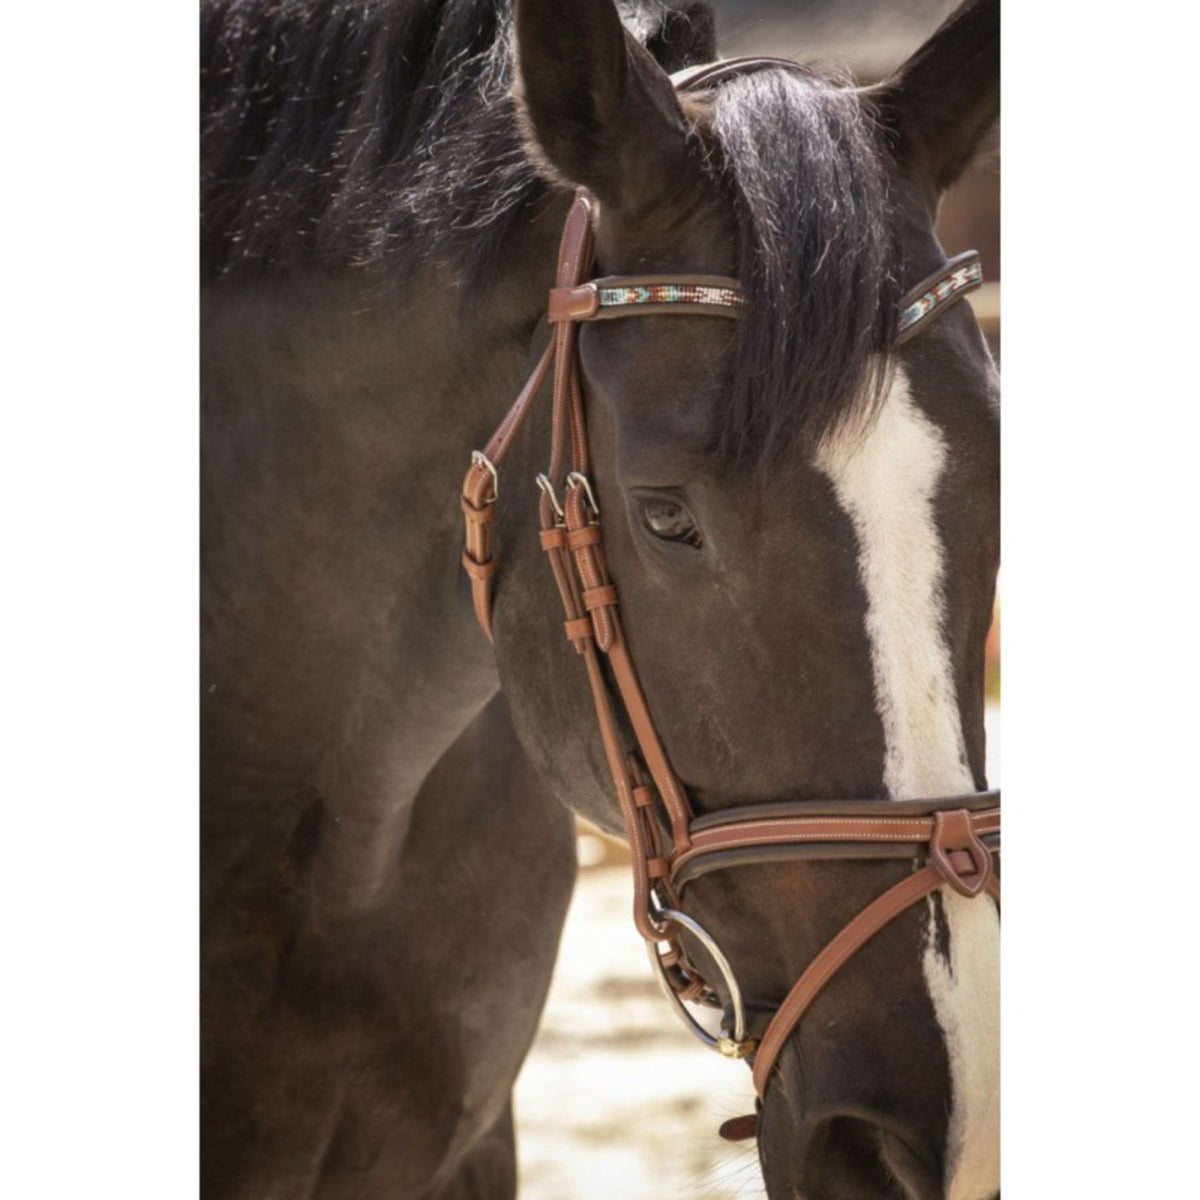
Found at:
(815, 258)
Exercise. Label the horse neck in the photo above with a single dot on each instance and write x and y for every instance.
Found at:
(338, 417)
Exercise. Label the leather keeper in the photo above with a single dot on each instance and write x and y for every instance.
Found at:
(657, 868)
(643, 797)
(953, 840)
(589, 535)
(578, 627)
(478, 570)
(599, 597)
(483, 515)
(553, 538)
(573, 303)
(961, 861)
(739, 1129)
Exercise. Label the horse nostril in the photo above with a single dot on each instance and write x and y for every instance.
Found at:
(916, 1173)
(841, 1156)
(871, 1159)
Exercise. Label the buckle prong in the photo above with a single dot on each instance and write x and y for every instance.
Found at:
(544, 483)
(578, 479)
(481, 460)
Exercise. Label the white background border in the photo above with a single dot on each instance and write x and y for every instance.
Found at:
(99, 489)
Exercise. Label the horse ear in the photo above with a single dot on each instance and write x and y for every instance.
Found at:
(940, 105)
(597, 110)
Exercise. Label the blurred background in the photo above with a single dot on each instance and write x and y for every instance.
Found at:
(616, 1100)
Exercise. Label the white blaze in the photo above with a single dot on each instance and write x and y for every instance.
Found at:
(886, 478)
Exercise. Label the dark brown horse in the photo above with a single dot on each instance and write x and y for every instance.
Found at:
(803, 522)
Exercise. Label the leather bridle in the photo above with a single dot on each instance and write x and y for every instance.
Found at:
(950, 842)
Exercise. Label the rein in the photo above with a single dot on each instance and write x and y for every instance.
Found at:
(949, 842)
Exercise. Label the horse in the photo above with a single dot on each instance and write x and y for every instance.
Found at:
(800, 510)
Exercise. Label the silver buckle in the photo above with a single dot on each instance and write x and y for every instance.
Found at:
(544, 483)
(481, 460)
(578, 479)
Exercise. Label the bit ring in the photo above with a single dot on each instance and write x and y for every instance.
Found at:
(730, 1043)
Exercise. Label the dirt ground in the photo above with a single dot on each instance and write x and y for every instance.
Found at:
(616, 1100)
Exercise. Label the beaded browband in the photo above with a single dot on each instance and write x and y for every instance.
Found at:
(932, 296)
(717, 295)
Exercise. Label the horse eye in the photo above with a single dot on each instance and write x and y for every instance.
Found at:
(670, 521)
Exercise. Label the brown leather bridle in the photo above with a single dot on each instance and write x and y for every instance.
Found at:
(949, 842)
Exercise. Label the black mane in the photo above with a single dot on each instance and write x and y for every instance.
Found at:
(347, 134)
(343, 133)
(340, 133)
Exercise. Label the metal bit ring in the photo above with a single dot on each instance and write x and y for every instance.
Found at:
(730, 1044)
